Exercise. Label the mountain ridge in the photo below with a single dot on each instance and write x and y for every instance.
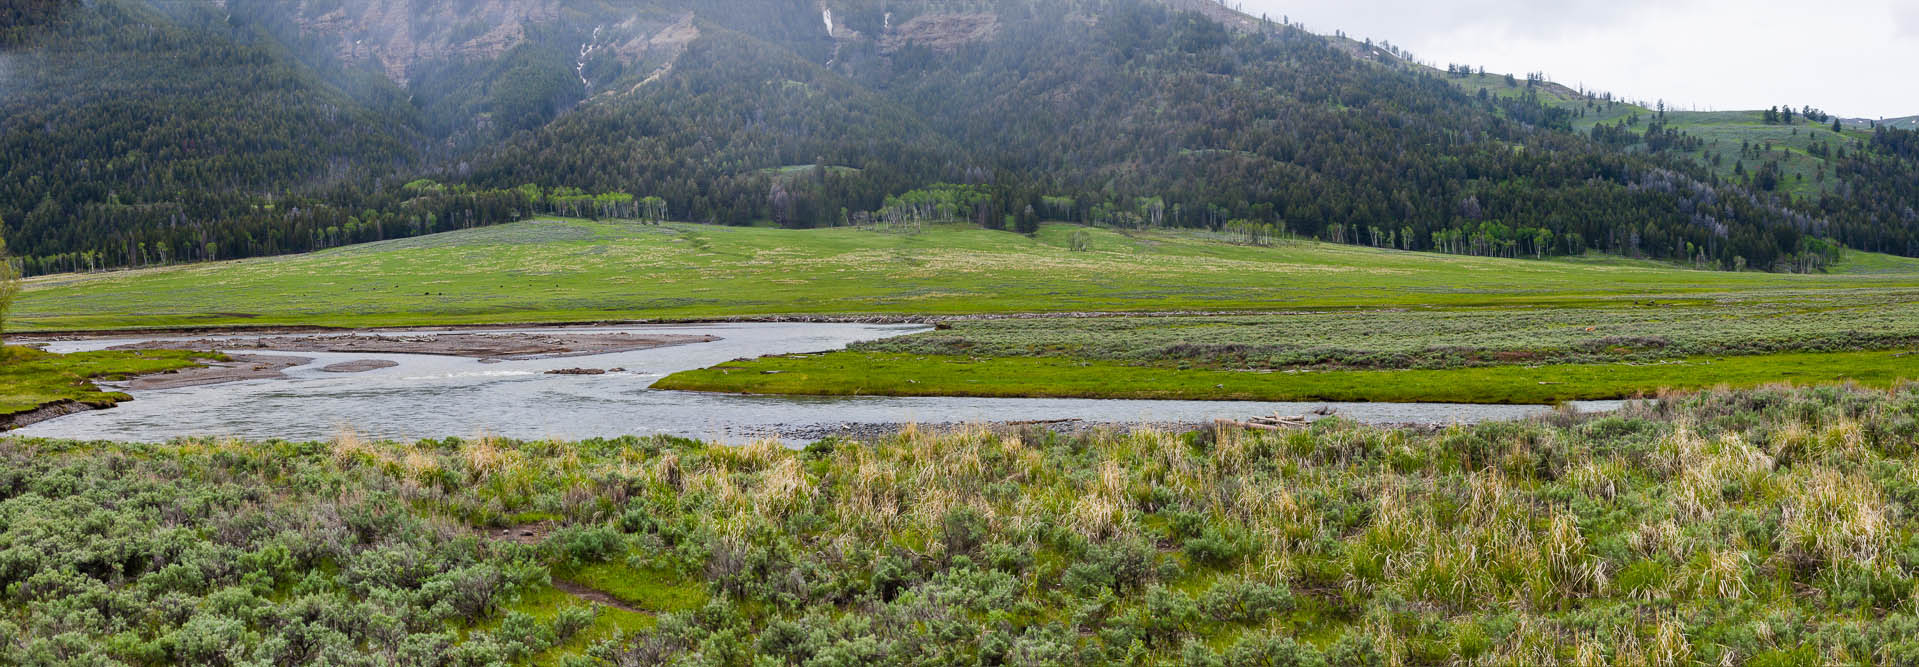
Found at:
(1171, 112)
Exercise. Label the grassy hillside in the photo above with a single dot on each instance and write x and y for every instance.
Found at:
(576, 270)
(1794, 147)
(1764, 527)
(1806, 169)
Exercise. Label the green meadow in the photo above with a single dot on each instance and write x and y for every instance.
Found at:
(1211, 318)
(885, 374)
(1465, 355)
(565, 271)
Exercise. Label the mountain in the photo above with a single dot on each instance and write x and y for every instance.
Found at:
(1905, 123)
(136, 132)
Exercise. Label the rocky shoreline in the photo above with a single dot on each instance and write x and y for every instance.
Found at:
(45, 412)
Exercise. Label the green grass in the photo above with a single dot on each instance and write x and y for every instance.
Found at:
(1477, 355)
(545, 604)
(893, 374)
(652, 589)
(1340, 306)
(1724, 131)
(31, 378)
(553, 271)
(1827, 321)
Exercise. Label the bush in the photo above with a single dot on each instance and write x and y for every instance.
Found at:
(1265, 650)
(1119, 566)
(963, 530)
(1236, 600)
(1218, 545)
(579, 546)
(571, 620)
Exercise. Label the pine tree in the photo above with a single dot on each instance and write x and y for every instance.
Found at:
(9, 284)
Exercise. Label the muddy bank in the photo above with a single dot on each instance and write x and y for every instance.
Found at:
(359, 366)
(483, 346)
(42, 413)
(237, 368)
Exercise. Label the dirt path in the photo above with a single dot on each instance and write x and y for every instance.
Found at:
(535, 533)
(596, 596)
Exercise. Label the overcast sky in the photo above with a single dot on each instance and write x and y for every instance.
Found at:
(1855, 58)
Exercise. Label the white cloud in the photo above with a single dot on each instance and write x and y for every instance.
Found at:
(1907, 21)
(1853, 59)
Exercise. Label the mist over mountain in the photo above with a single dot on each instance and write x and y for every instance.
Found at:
(138, 132)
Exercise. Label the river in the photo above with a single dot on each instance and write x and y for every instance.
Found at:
(427, 396)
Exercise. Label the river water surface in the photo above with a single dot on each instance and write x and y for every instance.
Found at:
(439, 396)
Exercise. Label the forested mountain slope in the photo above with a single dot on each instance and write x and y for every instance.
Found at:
(1848, 172)
(118, 117)
(135, 132)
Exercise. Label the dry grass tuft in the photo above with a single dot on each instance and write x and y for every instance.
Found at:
(784, 489)
(486, 457)
(1832, 518)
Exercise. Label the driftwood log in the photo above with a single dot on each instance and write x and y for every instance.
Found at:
(1273, 423)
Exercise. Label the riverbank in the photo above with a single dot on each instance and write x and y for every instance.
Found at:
(895, 374)
(36, 386)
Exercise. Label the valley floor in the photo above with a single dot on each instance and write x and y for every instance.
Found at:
(1311, 321)
(579, 271)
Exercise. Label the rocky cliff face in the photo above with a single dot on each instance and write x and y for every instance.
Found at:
(397, 35)
(941, 32)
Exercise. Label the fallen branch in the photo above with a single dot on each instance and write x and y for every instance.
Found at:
(1265, 424)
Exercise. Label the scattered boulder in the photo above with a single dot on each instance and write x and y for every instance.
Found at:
(577, 371)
